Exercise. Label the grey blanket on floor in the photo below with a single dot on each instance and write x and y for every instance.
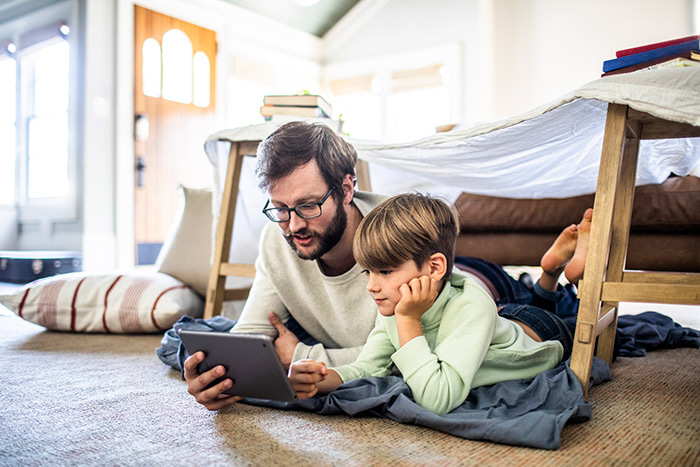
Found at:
(522, 412)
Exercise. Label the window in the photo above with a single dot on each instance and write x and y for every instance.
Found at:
(173, 72)
(398, 97)
(357, 99)
(8, 72)
(151, 70)
(37, 170)
(44, 71)
(418, 103)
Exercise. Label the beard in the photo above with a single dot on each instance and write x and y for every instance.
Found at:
(326, 239)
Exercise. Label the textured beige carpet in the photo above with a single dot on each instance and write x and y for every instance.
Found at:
(76, 399)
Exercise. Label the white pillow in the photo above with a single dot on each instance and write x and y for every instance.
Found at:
(187, 252)
(114, 303)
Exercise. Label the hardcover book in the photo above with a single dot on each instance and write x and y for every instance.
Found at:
(299, 111)
(629, 60)
(655, 45)
(687, 57)
(299, 100)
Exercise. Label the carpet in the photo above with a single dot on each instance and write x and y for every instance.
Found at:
(96, 399)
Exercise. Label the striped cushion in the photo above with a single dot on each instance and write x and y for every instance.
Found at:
(112, 303)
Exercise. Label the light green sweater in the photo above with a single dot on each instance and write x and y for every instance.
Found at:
(465, 344)
(337, 311)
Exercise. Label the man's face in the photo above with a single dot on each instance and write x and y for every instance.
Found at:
(309, 238)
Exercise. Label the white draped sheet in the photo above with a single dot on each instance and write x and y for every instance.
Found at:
(552, 151)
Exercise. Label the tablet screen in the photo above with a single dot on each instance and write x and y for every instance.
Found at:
(251, 361)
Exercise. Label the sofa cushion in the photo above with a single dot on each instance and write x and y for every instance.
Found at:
(672, 206)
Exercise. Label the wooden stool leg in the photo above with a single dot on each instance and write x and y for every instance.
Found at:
(596, 259)
(224, 233)
(622, 220)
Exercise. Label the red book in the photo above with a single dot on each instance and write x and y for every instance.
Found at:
(656, 45)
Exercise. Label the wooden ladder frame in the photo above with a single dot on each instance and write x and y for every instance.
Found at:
(606, 282)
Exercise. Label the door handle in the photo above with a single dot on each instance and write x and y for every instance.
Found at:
(140, 167)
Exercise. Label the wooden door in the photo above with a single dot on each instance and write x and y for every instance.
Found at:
(174, 96)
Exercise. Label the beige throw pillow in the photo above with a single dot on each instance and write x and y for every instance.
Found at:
(114, 303)
(187, 252)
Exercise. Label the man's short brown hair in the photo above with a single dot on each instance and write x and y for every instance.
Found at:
(294, 144)
(406, 227)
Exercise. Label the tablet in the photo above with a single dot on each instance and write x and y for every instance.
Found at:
(251, 361)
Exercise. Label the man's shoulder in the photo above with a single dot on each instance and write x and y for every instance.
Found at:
(366, 201)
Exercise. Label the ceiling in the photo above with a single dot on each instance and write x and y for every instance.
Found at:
(315, 19)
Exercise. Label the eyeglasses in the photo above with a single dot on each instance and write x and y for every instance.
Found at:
(304, 210)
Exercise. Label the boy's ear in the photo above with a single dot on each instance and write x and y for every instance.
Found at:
(438, 266)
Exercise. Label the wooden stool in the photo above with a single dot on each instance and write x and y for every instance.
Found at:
(606, 282)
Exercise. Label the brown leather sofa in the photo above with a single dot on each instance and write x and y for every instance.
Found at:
(665, 232)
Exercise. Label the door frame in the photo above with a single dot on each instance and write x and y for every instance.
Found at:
(124, 106)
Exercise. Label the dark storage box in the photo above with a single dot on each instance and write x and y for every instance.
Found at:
(26, 266)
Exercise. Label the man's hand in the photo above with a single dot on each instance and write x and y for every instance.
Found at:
(286, 341)
(212, 398)
(417, 296)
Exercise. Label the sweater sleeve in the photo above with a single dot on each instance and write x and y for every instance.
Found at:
(440, 380)
(320, 353)
(261, 300)
(375, 357)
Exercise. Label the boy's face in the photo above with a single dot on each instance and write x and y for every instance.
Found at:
(384, 285)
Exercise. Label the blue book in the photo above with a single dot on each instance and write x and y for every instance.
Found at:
(641, 57)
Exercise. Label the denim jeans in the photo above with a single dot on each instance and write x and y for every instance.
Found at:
(552, 315)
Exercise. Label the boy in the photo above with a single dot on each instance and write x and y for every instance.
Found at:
(438, 328)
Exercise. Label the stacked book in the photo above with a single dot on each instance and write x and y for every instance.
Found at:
(684, 51)
(296, 105)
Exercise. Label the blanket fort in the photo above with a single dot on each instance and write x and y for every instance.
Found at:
(552, 151)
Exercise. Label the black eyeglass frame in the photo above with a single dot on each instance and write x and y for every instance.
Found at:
(269, 211)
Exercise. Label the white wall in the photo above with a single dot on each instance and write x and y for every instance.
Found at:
(545, 48)
(518, 54)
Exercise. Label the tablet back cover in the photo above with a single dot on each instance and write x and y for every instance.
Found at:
(251, 361)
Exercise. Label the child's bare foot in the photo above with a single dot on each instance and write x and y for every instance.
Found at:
(561, 251)
(574, 270)
(556, 258)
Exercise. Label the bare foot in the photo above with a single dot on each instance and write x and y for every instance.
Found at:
(556, 258)
(574, 270)
(561, 251)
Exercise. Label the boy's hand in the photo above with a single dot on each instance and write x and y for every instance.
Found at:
(304, 376)
(417, 296)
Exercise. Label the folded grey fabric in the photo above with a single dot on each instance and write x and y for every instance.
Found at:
(528, 413)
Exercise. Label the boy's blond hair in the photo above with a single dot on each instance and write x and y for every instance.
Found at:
(403, 228)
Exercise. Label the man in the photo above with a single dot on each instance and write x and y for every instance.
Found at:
(309, 173)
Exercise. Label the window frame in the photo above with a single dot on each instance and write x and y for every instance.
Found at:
(32, 31)
(383, 67)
